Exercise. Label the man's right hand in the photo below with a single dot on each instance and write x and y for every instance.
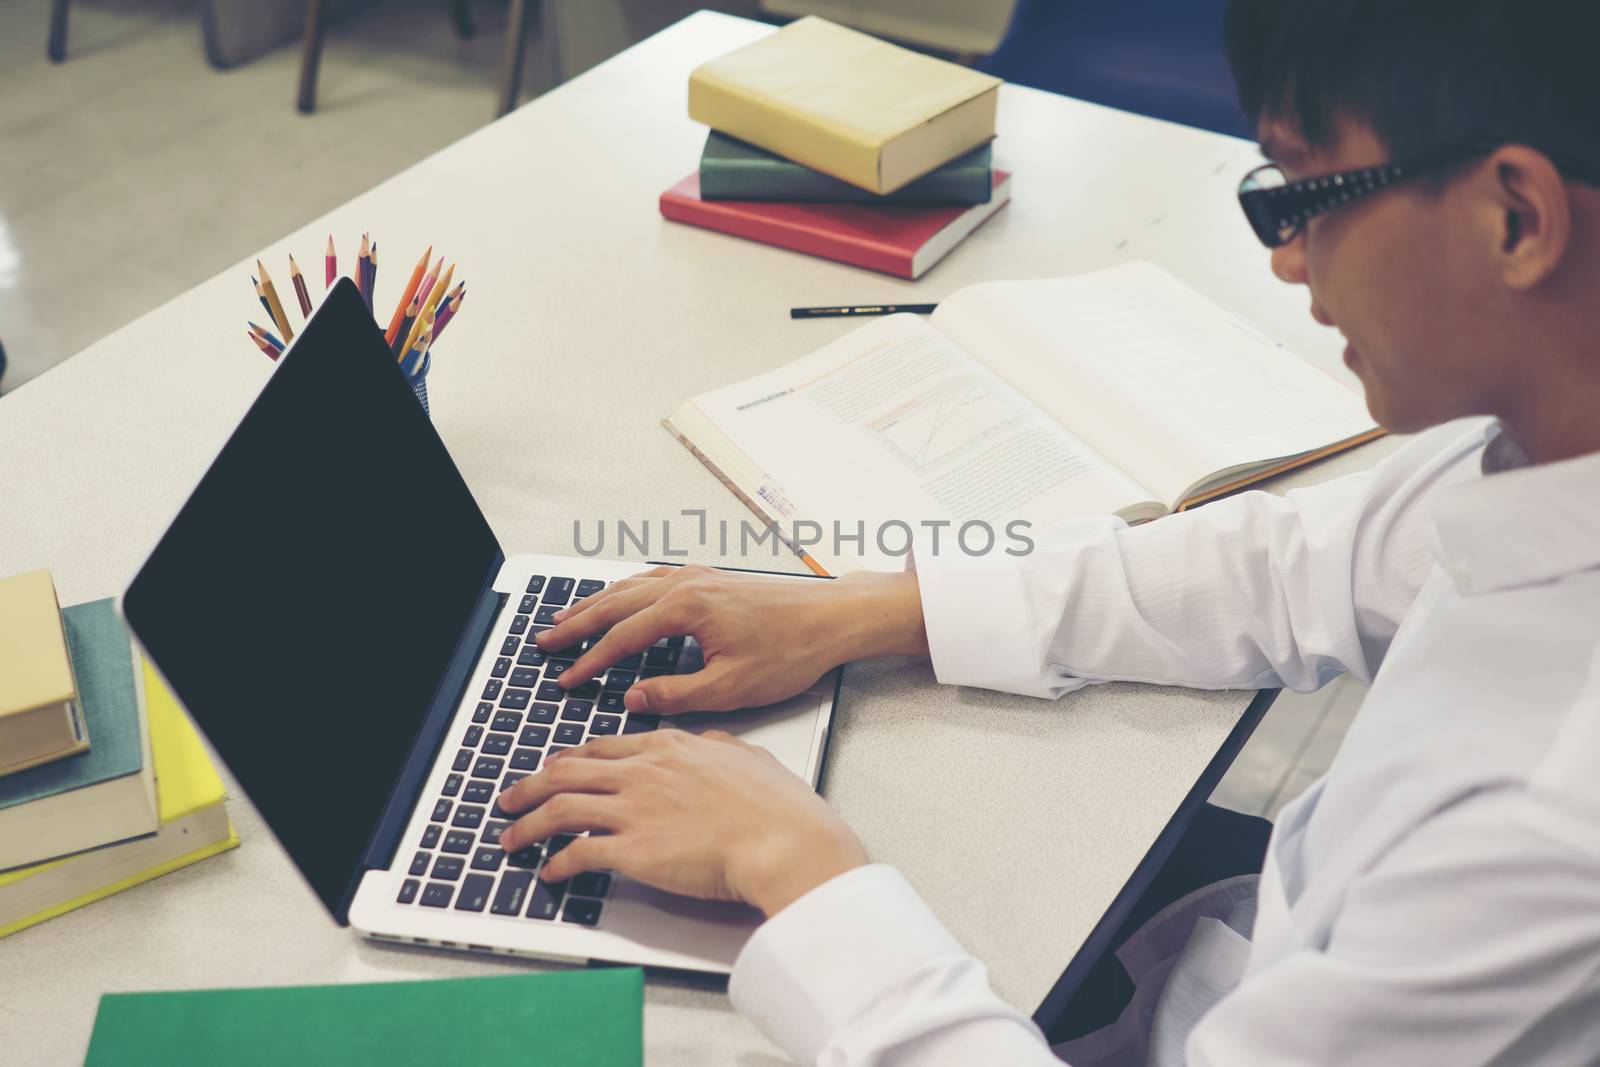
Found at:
(764, 638)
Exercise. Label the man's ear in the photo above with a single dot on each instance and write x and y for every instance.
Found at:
(1529, 214)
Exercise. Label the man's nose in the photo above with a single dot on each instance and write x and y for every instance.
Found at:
(1289, 261)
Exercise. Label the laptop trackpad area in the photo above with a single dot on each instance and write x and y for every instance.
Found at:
(786, 729)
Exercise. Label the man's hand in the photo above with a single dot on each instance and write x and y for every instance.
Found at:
(702, 815)
(763, 638)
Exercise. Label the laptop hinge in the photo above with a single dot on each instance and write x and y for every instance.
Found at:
(402, 800)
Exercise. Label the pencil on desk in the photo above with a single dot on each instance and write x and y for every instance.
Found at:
(361, 268)
(402, 329)
(430, 304)
(860, 309)
(261, 296)
(266, 349)
(266, 336)
(274, 305)
(330, 265)
(406, 296)
(299, 282)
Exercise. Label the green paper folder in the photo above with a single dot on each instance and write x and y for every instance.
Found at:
(730, 169)
(590, 1018)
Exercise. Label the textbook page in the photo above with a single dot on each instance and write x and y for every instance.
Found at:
(1171, 387)
(891, 428)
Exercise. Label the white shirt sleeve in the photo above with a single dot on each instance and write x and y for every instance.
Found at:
(1250, 592)
(859, 973)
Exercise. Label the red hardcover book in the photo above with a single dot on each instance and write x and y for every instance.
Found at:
(900, 239)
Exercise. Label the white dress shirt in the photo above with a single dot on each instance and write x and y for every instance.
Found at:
(1435, 898)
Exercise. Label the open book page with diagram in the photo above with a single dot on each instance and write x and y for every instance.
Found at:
(1122, 391)
(889, 431)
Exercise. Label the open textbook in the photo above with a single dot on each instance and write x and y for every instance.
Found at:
(1120, 391)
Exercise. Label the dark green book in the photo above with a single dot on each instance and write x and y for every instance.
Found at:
(730, 169)
(108, 793)
(579, 1018)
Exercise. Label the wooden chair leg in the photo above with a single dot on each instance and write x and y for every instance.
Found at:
(57, 48)
(516, 46)
(310, 57)
(461, 13)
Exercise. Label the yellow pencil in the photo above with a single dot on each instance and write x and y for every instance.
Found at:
(274, 304)
(440, 287)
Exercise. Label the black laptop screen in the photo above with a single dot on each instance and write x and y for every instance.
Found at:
(307, 598)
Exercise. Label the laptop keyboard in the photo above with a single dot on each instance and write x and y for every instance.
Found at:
(522, 717)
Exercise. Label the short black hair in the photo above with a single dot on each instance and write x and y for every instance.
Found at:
(1428, 76)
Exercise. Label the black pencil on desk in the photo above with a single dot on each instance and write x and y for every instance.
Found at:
(372, 275)
(261, 296)
(848, 311)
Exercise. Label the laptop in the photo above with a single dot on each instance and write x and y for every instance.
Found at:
(333, 610)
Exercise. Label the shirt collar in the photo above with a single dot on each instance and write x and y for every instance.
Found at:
(1519, 523)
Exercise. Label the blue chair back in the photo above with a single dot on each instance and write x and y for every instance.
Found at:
(1156, 57)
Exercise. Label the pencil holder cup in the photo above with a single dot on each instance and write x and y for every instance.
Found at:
(417, 378)
(420, 387)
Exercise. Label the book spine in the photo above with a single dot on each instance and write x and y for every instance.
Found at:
(726, 217)
(784, 181)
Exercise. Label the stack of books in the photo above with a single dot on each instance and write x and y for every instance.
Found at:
(103, 782)
(828, 141)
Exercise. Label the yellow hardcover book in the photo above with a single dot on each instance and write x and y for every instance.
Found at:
(194, 826)
(845, 103)
(40, 719)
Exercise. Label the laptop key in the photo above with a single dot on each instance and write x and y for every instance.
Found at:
(536, 583)
(558, 591)
(491, 689)
(675, 642)
(655, 672)
(605, 724)
(619, 679)
(408, 891)
(559, 842)
(441, 811)
(527, 604)
(430, 836)
(551, 692)
(438, 895)
(514, 886)
(545, 900)
(491, 832)
(488, 859)
(553, 749)
(479, 792)
(510, 780)
(527, 677)
(483, 713)
(419, 863)
(543, 713)
(577, 711)
(586, 691)
(463, 760)
(580, 910)
(488, 767)
(525, 759)
(457, 842)
(570, 733)
(448, 867)
(632, 663)
(526, 858)
(589, 587)
(546, 615)
(640, 724)
(452, 785)
(475, 890)
(537, 736)
(519, 624)
(469, 816)
(516, 699)
(557, 667)
(661, 657)
(497, 745)
(506, 721)
(474, 735)
(508, 647)
(612, 701)
(501, 667)
(531, 656)
(591, 884)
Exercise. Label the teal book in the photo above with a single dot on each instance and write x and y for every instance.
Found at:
(578, 1018)
(107, 794)
(730, 169)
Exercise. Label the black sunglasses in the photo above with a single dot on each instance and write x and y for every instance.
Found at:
(1279, 209)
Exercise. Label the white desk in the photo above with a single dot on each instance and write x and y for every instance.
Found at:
(591, 318)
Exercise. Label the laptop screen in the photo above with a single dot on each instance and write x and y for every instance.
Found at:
(305, 602)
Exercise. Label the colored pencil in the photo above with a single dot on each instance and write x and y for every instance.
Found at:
(862, 309)
(266, 349)
(431, 303)
(418, 353)
(372, 275)
(429, 278)
(408, 317)
(261, 296)
(299, 282)
(266, 335)
(448, 309)
(330, 265)
(274, 304)
(405, 297)
(361, 268)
